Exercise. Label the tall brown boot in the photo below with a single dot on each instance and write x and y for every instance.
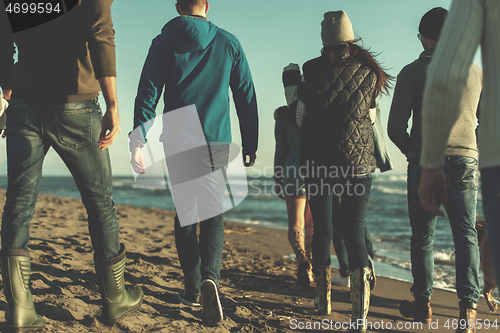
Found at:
(308, 246)
(468, 315)
(324, 286)
(296, 239)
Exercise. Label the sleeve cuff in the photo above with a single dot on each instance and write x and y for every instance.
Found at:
(135, 139)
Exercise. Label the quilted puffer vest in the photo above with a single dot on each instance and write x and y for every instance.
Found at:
(337, 134)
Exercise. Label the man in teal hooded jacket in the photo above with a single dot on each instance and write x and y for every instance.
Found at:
(195, 62)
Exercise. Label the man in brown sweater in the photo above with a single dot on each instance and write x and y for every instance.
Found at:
(462, 176)
(53, 88)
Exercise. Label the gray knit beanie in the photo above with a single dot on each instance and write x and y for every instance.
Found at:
(336, 28)
(432, 23)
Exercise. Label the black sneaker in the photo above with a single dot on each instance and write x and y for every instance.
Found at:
(211, 311)
(188, 300)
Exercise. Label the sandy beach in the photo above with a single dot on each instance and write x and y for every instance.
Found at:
(258, 286)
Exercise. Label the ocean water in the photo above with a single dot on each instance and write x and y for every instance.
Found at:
(387, 217)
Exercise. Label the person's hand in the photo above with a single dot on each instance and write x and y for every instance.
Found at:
(7, 94)
(110, 127)
(111, 120)
(137, 161)
(252, 158)
(432, 182)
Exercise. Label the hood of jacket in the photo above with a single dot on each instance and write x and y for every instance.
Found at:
(188, 33)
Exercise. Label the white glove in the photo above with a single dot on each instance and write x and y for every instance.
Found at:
(3, 115)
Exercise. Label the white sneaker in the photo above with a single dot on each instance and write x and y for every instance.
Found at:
(341, 281)
(211, 312)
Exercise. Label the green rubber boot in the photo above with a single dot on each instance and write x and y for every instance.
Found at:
(21, 314)
(116, 300)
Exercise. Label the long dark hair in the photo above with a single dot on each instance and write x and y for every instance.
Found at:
(343, 55)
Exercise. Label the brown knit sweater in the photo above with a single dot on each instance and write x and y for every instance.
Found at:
(60, 61)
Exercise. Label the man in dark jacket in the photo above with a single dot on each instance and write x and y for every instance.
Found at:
(460, 165)
(196, 63)
(53, 88)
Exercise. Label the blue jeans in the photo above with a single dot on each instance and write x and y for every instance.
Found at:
(339, 239)
(286, 157)
(73, 130)
(353, 195)
(462, 186)
(490, 185)
(201, 259)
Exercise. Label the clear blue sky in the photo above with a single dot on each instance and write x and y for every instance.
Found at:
(273, 34)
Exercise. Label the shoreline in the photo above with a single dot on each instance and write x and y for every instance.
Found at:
(258, 287)
(262, 228)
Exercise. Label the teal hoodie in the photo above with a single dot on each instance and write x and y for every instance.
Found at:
(195, 62)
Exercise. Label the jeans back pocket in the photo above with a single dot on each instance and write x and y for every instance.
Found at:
(74, 127)
(465, 173)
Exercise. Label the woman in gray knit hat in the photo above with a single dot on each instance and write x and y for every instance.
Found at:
(337, 151)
